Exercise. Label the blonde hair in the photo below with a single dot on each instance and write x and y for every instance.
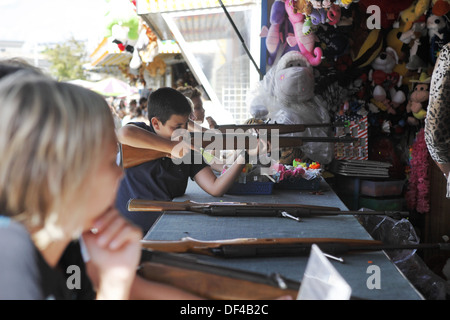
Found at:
(51, 138)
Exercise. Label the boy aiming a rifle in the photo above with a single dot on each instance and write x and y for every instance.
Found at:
(164, 178)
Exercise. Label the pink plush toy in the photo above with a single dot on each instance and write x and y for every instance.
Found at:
(334, 14)
(305, 43)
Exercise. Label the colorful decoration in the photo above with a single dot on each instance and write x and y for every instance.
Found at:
(299, 170)
(357, 128)
(418, 192)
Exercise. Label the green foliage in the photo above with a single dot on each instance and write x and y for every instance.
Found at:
(67, 60)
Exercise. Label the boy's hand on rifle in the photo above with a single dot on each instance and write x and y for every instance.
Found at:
(261, 147)
(181, 146)
(180, 149)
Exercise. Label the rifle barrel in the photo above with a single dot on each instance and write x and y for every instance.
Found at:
(132, 156)
(283, 250)
(234, 141)
(276, 211)
(282, 128)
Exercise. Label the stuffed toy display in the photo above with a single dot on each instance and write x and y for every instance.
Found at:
(325, 61)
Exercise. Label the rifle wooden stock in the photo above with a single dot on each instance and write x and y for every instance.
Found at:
(252, 209)
(253, 247)
(132, 156)
(211, 281)
(282, 128)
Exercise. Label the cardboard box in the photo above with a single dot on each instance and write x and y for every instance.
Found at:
(381, 188)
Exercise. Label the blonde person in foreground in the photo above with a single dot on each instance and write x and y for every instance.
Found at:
(58, 181)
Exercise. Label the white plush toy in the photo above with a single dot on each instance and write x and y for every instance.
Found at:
(286, 96)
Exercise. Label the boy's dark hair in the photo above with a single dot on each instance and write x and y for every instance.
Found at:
(142, 100)
(165, 102)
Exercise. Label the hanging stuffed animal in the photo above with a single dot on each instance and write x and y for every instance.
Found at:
(122, 26)
(286, 95)
(418, 101)
(417, 9)
(416, 38)
(440, 7)
(305, 42)
(146, 48)
(274, 34)
(438, 34)
(414, 33)
(156, 66)
(369, 50)
(386, 82)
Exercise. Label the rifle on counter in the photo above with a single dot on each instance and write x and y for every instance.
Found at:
(132, 156)
(277, 247)
(251, 209)
(282, 128)
(211, 281)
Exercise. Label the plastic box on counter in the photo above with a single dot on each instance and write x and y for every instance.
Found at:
(376, 188)
(299, 184)
(251, 188)
(382, 204)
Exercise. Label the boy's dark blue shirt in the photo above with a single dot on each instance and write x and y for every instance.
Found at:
(159, 179)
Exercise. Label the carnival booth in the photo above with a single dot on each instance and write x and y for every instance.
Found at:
(361, 67)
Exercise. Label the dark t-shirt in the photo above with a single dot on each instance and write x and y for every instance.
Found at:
(25, 275)
(161, 179)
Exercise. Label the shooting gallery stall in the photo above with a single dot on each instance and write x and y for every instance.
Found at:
(356, 268)
(363, 74)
